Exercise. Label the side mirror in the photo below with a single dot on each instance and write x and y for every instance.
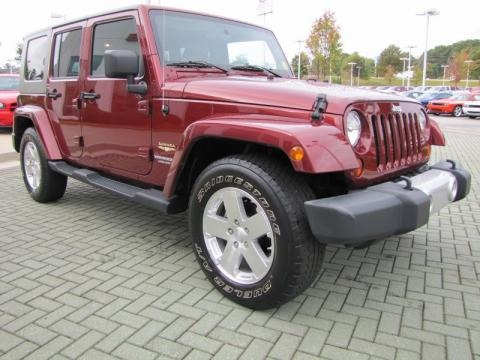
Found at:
(123, 64)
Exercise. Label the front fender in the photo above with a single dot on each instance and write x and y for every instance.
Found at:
(436, 134)
(325, 146)
(41, 122)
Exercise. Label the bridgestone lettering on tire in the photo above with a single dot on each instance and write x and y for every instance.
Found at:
(250, 233)
(43, 184)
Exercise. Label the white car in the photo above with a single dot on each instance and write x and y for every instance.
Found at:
(472, 108)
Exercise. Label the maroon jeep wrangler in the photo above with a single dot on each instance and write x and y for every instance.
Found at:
(178, 111)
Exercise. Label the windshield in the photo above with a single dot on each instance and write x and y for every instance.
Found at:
(9, 82)
(198, 38)
(459, 97)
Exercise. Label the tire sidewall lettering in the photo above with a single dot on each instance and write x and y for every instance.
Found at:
(201, 196)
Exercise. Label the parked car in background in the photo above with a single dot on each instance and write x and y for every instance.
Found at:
(452, 105)
(422, 88)
(444, 88)
(433, 95)
(8, 98)
(474, 89)
(472, 108)
(414, 94)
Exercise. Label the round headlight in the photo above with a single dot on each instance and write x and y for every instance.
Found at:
(353, 127)
(2, 105)
(422, 120)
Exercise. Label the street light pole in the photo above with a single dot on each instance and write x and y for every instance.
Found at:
(444, 72)
(427, 14)
(358, 75)
(352, 64)
(468, 62)
(403, 74)
(299, 56)
(409, 66)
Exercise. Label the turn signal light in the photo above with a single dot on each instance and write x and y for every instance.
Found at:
(296, 153)
(359, 170)
(426, 151)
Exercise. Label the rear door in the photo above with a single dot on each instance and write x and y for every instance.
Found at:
(116, 123)
(63, 88)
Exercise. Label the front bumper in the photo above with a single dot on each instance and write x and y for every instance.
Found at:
(391, 208)
(471, 111)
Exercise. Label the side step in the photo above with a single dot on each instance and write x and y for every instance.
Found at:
(150, 197)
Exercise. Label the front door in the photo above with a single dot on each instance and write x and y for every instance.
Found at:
(116, 123)
(63, 88)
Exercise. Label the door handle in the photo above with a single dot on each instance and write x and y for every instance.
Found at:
(89, 95)
(53, 94)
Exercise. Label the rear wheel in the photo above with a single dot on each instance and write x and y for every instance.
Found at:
(457, 112)
(250, 232)
(43, 184)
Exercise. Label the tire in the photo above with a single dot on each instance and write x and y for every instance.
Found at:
(268, 197)
(43, 184)
(457, 111)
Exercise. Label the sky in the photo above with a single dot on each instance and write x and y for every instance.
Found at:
(367, 26)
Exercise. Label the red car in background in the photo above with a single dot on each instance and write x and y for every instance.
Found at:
(452, 105)
(8, 98)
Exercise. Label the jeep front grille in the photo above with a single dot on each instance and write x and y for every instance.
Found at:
(397, 139)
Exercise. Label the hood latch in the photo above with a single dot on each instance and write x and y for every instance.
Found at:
(319, 107)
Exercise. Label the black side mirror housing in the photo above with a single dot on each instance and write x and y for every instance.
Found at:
(123, 64)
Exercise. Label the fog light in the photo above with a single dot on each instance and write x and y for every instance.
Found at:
(296, 153)
(452, 189)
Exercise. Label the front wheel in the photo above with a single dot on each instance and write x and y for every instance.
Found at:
(457, 112)
(43, 184)
(250, 232)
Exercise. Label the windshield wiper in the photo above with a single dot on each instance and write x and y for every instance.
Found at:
(248, 67)
(196, 64)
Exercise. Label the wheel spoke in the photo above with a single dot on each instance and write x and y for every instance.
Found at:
(215, 225)
(231, 258)
(234, 205)
(256, 259)
(257, 226)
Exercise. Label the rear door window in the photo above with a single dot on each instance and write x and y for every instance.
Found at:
(66, 56)
(35, 59)
(117, 35)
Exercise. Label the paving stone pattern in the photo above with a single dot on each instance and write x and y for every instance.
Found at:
(96, 277)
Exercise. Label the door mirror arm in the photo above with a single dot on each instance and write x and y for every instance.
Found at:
(140, 89)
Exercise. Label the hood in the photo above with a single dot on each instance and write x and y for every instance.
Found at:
(280, 92)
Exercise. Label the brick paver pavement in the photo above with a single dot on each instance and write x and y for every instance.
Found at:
(96, 277)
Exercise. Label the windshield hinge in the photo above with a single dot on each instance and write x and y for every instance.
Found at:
(319, 107)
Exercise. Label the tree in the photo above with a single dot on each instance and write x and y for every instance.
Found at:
(389, 73)
(324, 45)
(390, 56)
(304, 64)
(18, 55)
(366, 65)
(457, 67)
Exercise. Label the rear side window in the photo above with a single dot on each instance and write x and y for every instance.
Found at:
(118, 35)
(66, 58)
(35, 58)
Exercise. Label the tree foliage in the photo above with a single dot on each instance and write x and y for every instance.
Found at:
(304, 64)
(390, 59)
(364, 65)
(324, 45)
(445, 54)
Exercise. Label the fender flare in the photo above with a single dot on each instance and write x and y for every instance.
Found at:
(325, 146)
(39, 118)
